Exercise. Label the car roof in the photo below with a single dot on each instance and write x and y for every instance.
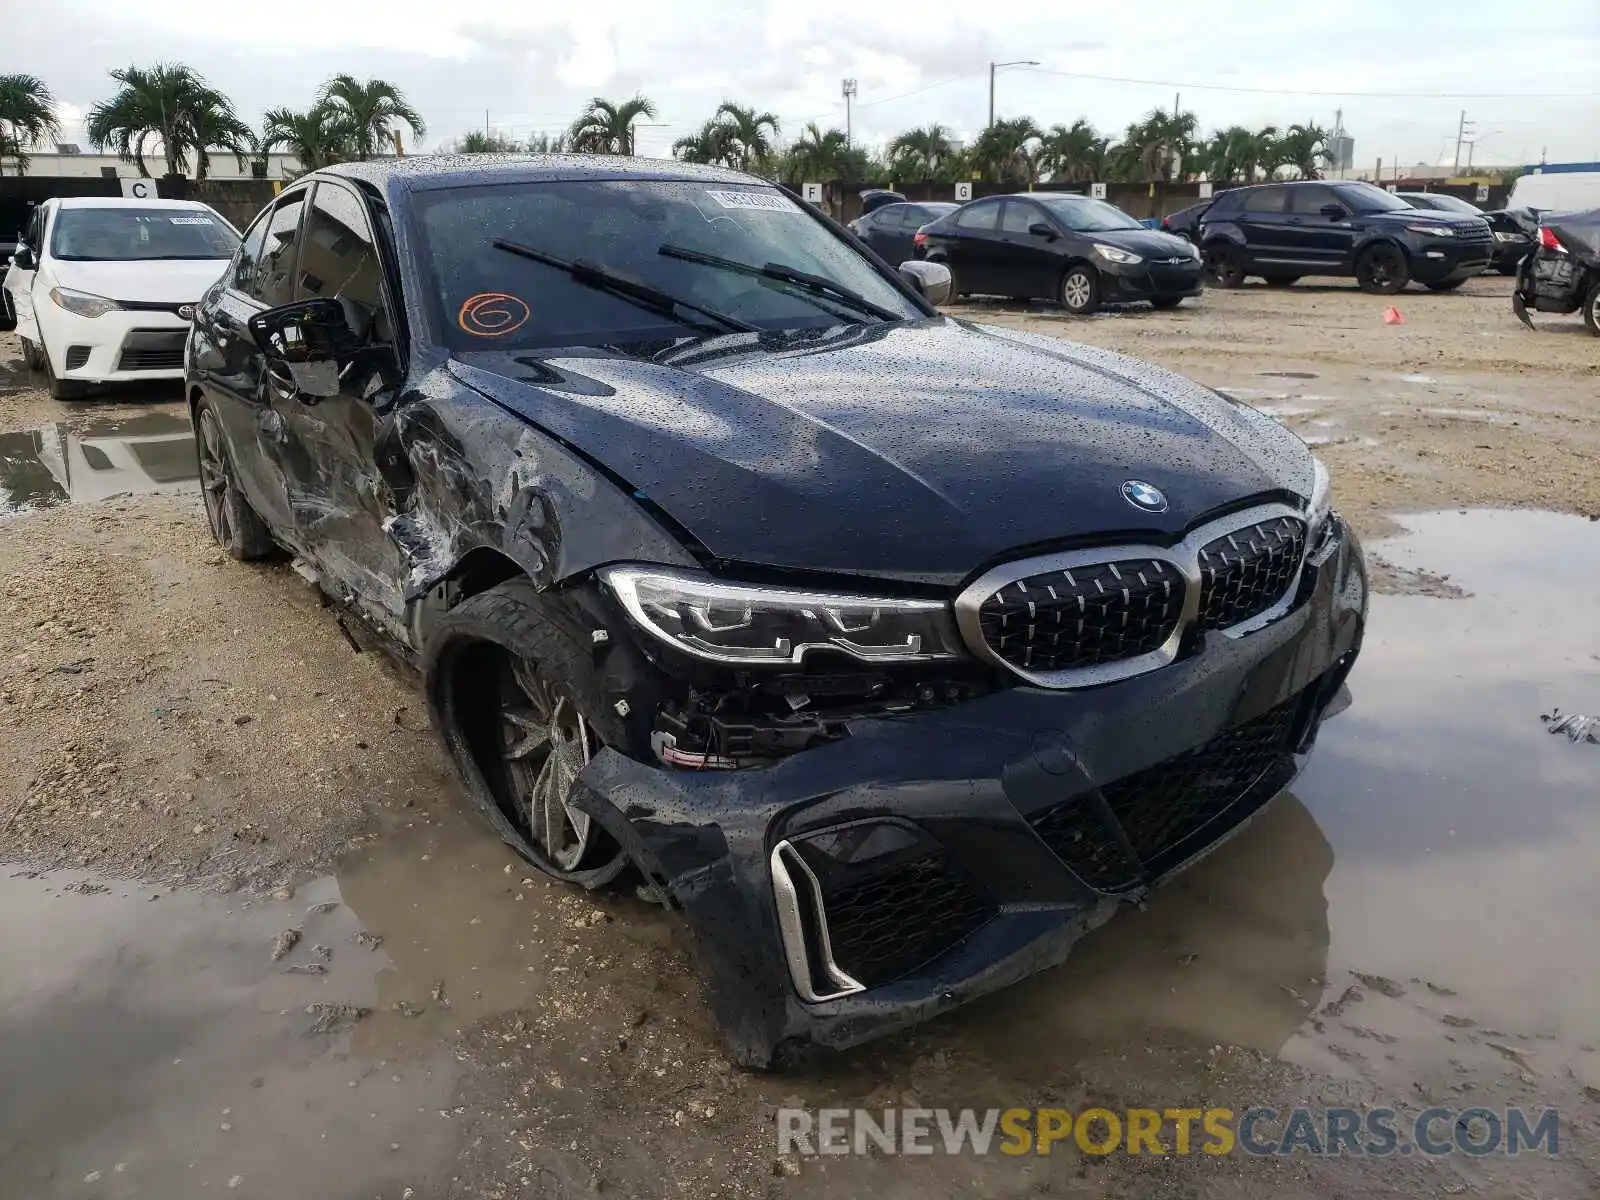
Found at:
(427, 172)
(125, 202)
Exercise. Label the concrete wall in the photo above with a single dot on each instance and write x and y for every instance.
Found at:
(92, 166)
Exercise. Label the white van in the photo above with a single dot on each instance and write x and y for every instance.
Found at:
(1557, 191)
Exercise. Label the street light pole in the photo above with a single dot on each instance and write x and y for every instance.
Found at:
(993, 67)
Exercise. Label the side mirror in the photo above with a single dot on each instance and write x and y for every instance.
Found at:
(1334, 212)
(930, 279)
(1040, 229)
(22, 259)
(312, 338)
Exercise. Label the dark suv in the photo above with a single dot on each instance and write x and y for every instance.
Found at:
(1281, 231)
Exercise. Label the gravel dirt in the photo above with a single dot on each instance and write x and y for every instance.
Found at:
(174, 724)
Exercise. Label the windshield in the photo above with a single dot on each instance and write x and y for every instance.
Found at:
(490, 299)
(136, 234)
(1082, 215)
(1363, 197)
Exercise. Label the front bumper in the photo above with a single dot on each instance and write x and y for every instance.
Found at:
(119, 346)
(954, 852)
(1150, 280)
(1439, 260)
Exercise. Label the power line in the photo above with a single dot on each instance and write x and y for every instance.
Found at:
(1218, 87)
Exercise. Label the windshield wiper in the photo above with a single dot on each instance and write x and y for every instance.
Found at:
(777, 272)
(638, 292)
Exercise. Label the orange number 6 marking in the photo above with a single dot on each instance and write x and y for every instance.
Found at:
(492, 314)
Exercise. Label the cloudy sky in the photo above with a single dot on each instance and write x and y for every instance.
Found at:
(1525, 73)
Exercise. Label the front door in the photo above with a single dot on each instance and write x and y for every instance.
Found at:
(1028, 263)
(974, 245)
(19, 282)
(1312, 238)
(340, 504)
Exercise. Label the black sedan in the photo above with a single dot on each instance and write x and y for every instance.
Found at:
(891, 653)
(1185, 223)
(1079, 252)
(891, 230)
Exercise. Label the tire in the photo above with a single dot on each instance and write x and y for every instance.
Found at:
(1448, 285)
(234, 524)
(1591, 309)
(1508, 268)
(1079, 292)
(1382, 269)
(514, 694)
(1224, 264)
(1165, 303)
(1281, 280)
(60, 389)
(30, 356)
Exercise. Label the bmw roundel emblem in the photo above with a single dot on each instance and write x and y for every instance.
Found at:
(1144, 496)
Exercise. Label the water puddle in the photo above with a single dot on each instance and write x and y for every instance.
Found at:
(167, 1053)
(81, 461)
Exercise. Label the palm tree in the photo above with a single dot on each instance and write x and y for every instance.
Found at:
(543, 143)
(818, 155)
(479, 142)
(168, 102)
(371, 109)
(1304, 149)
(1237, 153)
(215, 127)
(712, 144)
(1075, 154)
(316, 138)
(921, 153)
(27, 117)
(1160, 143)
(1003, 151)
(747, 133)
(607, 128)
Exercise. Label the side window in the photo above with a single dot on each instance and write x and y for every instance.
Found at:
(892, 217)
(271, 283)
(1264, 200)
(338, 257)
(979, 216)
(1308, 201)
(244, 272)
(1018, 216)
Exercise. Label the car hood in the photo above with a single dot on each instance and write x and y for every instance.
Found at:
(157, 281)
(921, 451)
(1425, 216)
(1149, 243)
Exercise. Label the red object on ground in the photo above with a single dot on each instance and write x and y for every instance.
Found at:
(1391, 316)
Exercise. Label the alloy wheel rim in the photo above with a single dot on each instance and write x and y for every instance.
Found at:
(215, 484)
(546, 743)
(1077, 290)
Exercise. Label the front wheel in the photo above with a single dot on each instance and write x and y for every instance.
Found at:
(1448, 285)
(60, 389)
(1224, 264)
(1080, 290)
(1382, 270)
(234, 524)
(515, 695)
(1591, 309)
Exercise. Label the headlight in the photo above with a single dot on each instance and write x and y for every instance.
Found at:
(1321, 502)
(1435, 230)
(1194, 251)
(82, 303)
(737, 623)
(1500, 235)
(1115, 254)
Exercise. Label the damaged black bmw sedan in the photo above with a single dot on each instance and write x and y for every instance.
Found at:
(891, 652)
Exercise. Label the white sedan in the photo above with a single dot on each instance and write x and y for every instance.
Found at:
(104, 289)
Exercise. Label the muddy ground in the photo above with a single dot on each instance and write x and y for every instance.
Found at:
(194, 761)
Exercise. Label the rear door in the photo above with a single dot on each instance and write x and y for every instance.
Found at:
(974, 247)
(230, 366)
(1312, 238)
(884, 232)
(1264, 222)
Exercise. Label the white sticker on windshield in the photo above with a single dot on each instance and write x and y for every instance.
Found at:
(191, 220)
(762, 201)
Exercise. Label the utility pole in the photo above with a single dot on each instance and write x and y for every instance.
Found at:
(848, 90)
(993, 67)
(486, 122)
(1463, 127)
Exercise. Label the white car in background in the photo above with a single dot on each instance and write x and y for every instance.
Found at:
(104, 289)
